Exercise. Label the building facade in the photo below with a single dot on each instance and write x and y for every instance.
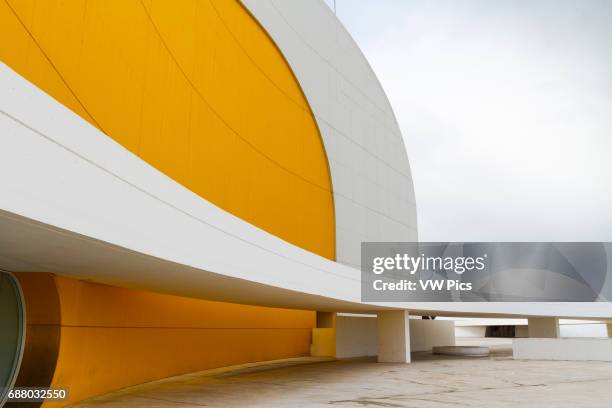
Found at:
(170, 163)
(186, 185)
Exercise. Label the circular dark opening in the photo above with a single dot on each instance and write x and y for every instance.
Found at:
(12, 332)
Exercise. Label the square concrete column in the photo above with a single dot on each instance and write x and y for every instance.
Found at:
(393, 336)
(543, 327)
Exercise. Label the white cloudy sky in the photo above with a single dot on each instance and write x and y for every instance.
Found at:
(506, 110)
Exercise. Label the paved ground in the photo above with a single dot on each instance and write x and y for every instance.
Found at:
(430, 381)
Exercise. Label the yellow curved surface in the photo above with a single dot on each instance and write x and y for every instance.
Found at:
(195, 88)
(93, 338)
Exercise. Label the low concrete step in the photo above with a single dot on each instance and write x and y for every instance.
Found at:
(464, 351)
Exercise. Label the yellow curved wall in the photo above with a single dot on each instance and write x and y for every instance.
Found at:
(94, 338)
(195, 88)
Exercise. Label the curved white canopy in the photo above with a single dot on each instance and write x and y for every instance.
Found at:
(76, 203)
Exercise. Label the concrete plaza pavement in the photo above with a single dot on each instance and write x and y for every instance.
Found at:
(430, 381)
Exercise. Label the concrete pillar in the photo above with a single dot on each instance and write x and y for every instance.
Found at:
(609, 325)
(393, 336)
(543, 327)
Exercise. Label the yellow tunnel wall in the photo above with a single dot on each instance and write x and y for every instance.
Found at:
(94, 338)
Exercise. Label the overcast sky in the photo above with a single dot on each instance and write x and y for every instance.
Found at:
(506, 110)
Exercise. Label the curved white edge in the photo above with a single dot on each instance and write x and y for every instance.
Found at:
(373, 188)
(76, 203)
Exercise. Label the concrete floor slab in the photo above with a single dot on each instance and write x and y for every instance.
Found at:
(430, 381)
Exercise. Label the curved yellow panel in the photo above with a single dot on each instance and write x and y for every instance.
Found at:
(93, 338)
(195, 88)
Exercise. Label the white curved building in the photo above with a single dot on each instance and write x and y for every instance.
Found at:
(185, 185)
(373, 191)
